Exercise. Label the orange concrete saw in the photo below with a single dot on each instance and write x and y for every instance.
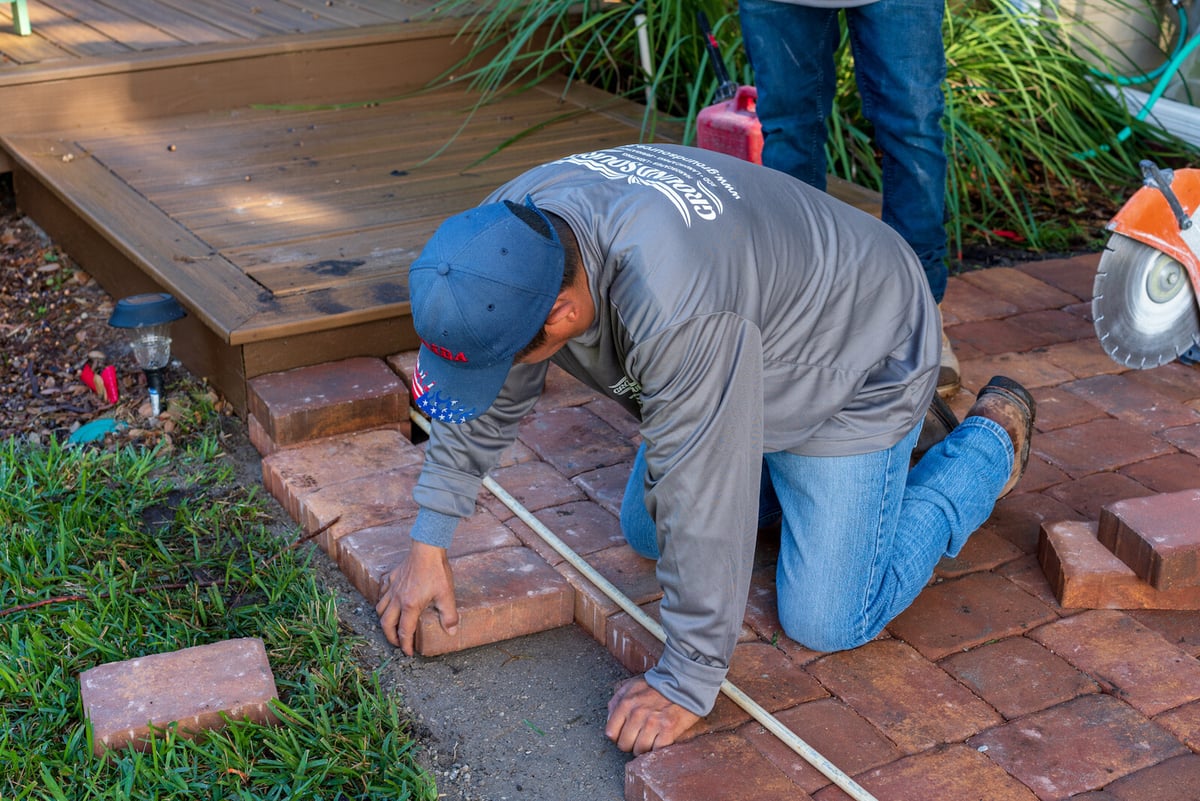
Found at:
(1144, 297)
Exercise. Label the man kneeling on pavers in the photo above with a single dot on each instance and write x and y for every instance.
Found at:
(780, 349)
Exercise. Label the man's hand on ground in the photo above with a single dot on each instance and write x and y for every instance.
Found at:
(422, 580)
(640, 719)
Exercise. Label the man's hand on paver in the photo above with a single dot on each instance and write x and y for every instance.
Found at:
(641, 719)
(424, 579)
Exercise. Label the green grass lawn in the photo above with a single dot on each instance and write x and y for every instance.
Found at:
(135, 551)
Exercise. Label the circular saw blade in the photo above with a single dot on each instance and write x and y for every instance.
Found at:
(1143, 304)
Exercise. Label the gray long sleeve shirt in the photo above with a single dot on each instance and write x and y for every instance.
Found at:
(738, 312)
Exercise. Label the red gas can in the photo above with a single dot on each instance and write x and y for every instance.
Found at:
(732, 126)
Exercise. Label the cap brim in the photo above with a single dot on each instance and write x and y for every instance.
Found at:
(449, 392)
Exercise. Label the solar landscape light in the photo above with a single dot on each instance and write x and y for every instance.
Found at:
(147, 321)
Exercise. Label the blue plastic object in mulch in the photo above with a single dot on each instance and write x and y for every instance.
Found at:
(94, 431)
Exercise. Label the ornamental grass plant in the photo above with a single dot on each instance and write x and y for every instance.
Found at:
(1039, 154)
(113, 553)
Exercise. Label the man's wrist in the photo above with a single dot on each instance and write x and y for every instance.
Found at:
(434, 528)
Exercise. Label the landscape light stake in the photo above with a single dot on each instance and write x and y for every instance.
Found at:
(756, 710)
(147, 320)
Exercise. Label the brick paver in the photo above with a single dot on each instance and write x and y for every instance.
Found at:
(197, 689)
(1077, 746)
(988, 687)
(1018, 676)
(1129, 660)
(962, 613)
(326, 399)
(1085, 574)
(1158, 537)
(914, 702)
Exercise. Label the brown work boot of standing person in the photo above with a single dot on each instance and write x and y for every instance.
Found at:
(1006, 402)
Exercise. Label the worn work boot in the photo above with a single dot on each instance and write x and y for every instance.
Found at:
(940, 420)
(1006, 402)
(949, 378)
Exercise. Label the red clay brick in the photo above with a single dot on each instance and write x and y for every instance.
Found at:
(965, 303)
(368, 555)
(1027, 574)
(912, 701)
(583, 526)
(1032, 370)
(1019, 518)
(990, 337)
(1085, 575)
(631, 574)
(635, 648)
(1053, 326)
(606, 486)
(1186, 438)
(718, 767)
(593, 608)
(1184, 723)
(1176, 381)
(762, 605)
(535, 485)
(258, 436)
(403, 364)
(1129, 660)
(1076, 275)
(1170, 473)
(1180, 628)
(563, 390)
(616, 416)
(1082, 358)
(1099, 445)
(1177, 779)
(327, 399)
(966, 612)
(983, 551)
(292, 473)
(1017, 676)
(1090, 494)
(1132, 402)
(766, 675)
(1020, 289)
(1157, 537)
(947, 772)
(195, 688)
(1039, 475)
(501, 594)
(363, 502)
(574, 440)
(1057, 408)
(833, 730)
(1077, 746)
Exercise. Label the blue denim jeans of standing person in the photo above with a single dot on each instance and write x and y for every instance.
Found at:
(860, 535)
(899, 66)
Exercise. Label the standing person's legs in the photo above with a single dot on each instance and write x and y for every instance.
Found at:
(862, 534)
(791, 49)
(900, 68)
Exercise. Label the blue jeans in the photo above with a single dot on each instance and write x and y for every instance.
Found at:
(860, 535)
(899, 65)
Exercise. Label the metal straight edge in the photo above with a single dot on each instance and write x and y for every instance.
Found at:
(748, 704)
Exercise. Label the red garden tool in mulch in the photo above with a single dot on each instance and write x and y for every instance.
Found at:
(731, 124)
(103, 383)
(1144, 296)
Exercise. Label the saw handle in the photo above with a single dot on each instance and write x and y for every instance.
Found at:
(1153, 177)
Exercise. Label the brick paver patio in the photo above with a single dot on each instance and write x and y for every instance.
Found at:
(986, 688)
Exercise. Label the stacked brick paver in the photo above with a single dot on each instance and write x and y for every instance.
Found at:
(988, 687)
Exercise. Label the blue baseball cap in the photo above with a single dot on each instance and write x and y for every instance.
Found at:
(481, 291)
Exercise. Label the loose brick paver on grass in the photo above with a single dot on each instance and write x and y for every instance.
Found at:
(193, 690)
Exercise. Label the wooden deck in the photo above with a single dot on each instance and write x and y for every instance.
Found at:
(286, 232)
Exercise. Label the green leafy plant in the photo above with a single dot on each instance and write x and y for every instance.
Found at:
(1032, 139)
(112, 554)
